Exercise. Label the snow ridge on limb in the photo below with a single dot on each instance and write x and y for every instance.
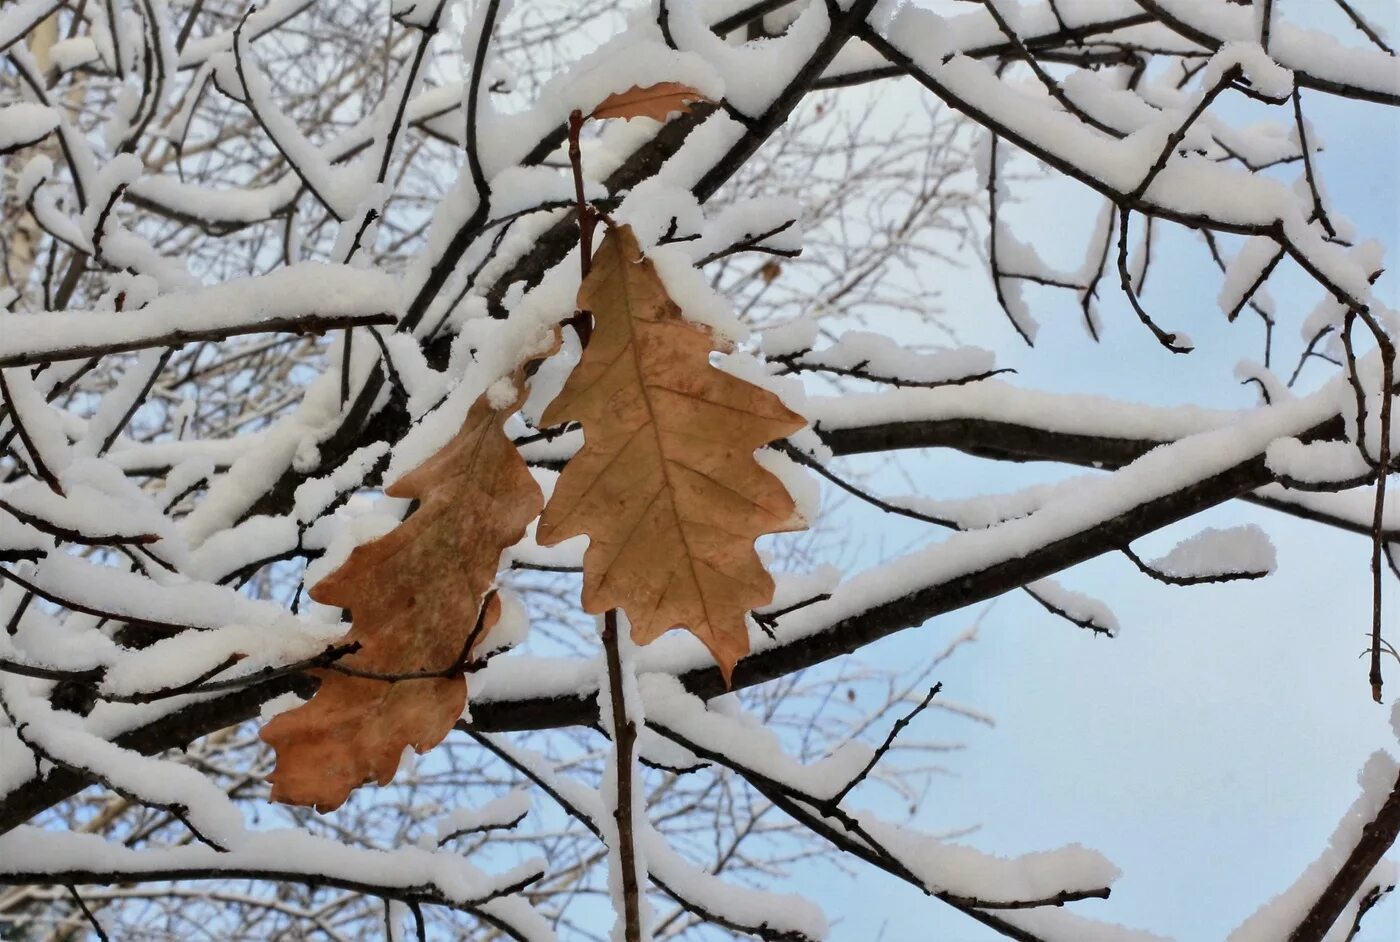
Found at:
(1098, 515)
(767, 915)
(34, 855)
(311, 296)
(1332, 895)
(993, 890)
(256, 524)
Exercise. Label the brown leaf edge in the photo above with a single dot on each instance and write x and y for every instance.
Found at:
(670, 553)
(657, 101)
(421, 603)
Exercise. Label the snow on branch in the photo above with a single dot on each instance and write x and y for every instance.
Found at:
(310, 297)
(193, 432)
(25, 124)
(957, 875)
(765, 915)
(1213, 555)
(1334, 891)
(33, 855)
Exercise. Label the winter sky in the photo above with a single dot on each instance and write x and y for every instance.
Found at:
(1210, 750)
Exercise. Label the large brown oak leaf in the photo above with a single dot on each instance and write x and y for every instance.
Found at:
(416, 599)
(666, 486)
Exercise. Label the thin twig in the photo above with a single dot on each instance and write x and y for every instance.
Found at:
(92, 920)
(885, 746)
(624, 741)
(1387, 351)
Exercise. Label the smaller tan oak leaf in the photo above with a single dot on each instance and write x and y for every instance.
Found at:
(654, 101)
(666, 485)
(415, 596)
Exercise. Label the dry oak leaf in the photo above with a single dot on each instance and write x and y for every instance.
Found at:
(415, 596)
(655, 101)
(666, 486)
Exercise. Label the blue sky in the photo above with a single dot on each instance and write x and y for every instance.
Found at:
(1211, 749)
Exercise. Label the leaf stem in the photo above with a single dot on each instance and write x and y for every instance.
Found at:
(582, 321)
(624, 730)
